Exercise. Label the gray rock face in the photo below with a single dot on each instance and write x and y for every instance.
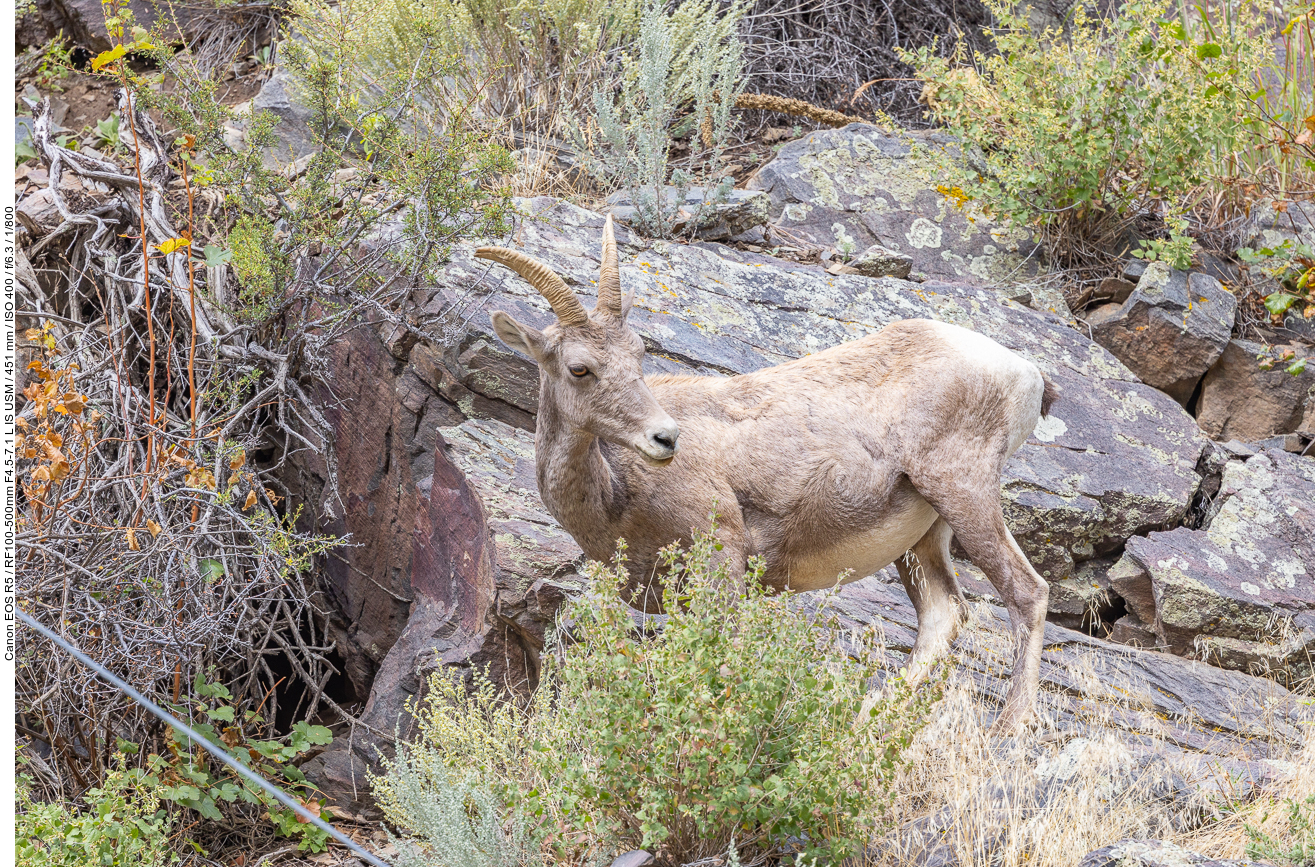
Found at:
(741, 211)
(294, 140)
(1155, 853)
(1171, 329)
(1241, 592)
(84, 20)
(854, 187)
(1241, 401)
(485, 572)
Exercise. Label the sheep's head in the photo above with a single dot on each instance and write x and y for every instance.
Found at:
(590, 362)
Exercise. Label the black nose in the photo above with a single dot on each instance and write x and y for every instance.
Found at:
(664, 439)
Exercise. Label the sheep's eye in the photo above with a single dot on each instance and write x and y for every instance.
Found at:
(578, 370)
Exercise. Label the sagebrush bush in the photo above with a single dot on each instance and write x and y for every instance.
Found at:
(689, 59)
(739, 725)
(1117, 118)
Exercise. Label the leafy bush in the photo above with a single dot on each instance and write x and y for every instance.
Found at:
(191, 779)
(741, 725)
(689, 59)
(1292, 265)
(121, 824)
(1083, 133)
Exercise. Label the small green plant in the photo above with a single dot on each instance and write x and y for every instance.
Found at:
(260, 266)
(741, 726)
(189, 779)
(264, 56)
(1298, 849)
(56, 61)
(1088, 132)
(120, 823)
(1292, 265)
(23, 151)
(107, 131)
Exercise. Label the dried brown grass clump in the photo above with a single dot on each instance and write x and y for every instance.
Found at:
(796, 107)
(1053, 795)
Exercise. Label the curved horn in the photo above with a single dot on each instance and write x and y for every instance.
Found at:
(568, 308)
(609, 274)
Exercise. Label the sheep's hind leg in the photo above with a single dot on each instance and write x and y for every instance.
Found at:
(928, 576)
(980, 529)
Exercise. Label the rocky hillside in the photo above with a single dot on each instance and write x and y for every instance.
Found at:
(1181, 567)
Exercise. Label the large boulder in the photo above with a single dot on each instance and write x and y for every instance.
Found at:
(1242, 401)
(1171, 329)
(1241, 592)
(854, 187)
(488, 571)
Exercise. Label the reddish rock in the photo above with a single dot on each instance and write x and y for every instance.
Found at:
(1240, 401)
(1170, 330)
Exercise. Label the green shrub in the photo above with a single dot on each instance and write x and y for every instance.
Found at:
(527, 60)
(190, 778)
(119, 824)
(688, 59)
(740, 725)
(1086, 131)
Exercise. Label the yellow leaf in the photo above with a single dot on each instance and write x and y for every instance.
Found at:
(173, 244)
(153, 527)
(237, 461)
(251, 501)
(107, 57)
(132, 540)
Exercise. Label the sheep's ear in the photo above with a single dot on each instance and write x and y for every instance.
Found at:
(521, 338)
(626, 301)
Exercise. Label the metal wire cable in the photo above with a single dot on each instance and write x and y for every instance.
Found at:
(218, 753)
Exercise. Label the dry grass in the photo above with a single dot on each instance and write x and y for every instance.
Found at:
(1048, 798)
(1267, 812)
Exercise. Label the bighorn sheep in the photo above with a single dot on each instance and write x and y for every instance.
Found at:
(838, 462)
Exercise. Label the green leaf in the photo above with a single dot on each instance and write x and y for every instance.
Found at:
(1298, 367)
(1208, 50)
(1278, 303)
(215, 256)
(224, 713)
(23, 151)
(318, 735)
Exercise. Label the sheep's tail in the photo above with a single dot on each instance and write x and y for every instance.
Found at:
(1049, 395)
